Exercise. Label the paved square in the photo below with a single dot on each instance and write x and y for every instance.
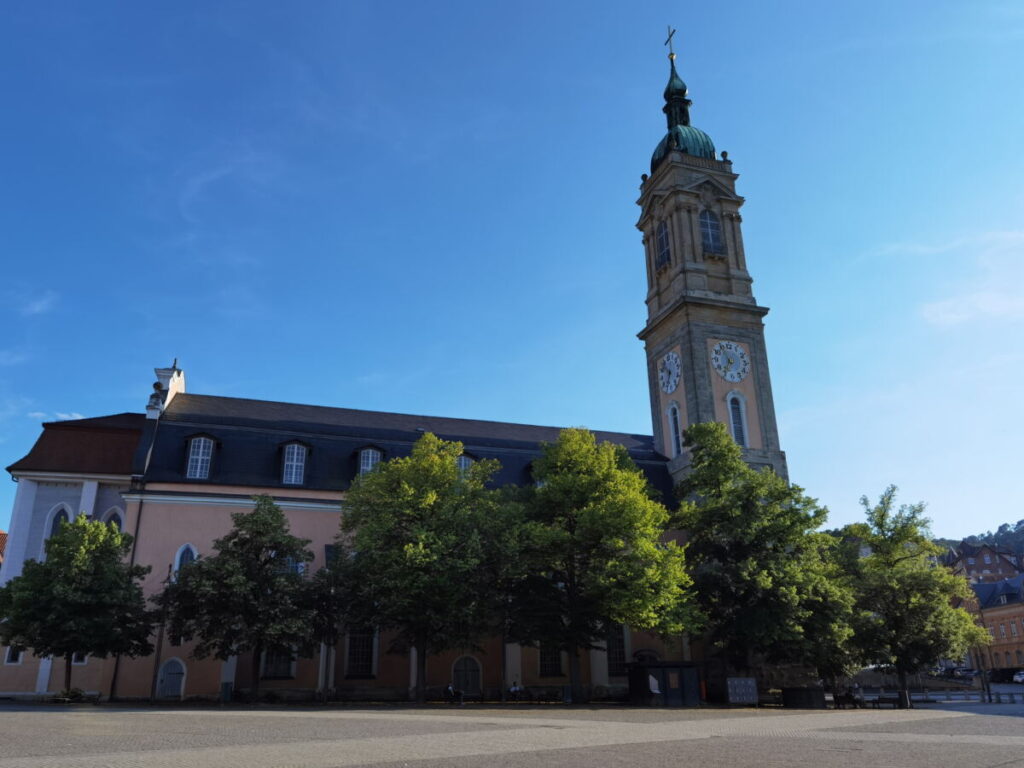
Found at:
(982, 736)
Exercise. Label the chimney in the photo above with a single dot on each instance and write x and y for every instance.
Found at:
(169, 382)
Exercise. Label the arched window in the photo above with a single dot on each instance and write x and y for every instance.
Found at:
(369, 458)
(200, 451)
(738, 419)
(675, 430)
(114, 516)
(663, 251)
(294, 469)
(186, 554)
(466, 675)
(711, 233)
(58, 520)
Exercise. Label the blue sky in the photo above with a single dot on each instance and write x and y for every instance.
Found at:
(429, 208)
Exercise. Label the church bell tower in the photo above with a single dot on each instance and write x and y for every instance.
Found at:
(704, 337)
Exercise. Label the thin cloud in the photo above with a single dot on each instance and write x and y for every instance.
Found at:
(68, 416)
(37, 415)
(12, 357)
(40, 304)
(997, 265)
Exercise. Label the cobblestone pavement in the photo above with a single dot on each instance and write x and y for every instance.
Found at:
(982, 736)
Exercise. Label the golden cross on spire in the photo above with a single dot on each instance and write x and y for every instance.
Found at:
(668, 42)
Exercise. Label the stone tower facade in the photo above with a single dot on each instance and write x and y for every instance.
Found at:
(704, 335)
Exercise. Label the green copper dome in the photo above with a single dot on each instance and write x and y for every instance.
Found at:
(681, 136)
(687, 139)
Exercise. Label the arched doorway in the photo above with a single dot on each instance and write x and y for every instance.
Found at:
(171, 684)
(466, 675)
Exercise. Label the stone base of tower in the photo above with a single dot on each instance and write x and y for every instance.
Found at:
(679, 467)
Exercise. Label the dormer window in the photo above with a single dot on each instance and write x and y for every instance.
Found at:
(711, 233)
(294, 469)
(663, 253)
(369, 458)
(200, 452)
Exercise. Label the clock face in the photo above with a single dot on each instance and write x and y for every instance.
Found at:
(731, 361)
(668, 372)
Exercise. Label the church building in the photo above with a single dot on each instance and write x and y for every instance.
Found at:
(173, 475)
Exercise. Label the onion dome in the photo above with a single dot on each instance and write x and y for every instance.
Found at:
(681, 136)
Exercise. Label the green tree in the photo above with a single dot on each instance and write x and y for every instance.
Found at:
(907, 616)
(599, 555)
(83, 598)
(764, 576)
(251, 596)
(416, 551)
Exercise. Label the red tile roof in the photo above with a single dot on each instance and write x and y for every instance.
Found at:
(103, 446)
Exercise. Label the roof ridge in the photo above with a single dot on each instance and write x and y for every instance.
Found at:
(398, 413)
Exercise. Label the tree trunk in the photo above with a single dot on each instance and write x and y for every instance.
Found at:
(255, 667)
(903, 693)
(67, 672)
(421, 669)
(575, 685)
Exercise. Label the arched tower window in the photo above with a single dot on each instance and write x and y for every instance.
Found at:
(663, 251)
(675, 430)
(114, 516)
(711, 233)
(738, 419)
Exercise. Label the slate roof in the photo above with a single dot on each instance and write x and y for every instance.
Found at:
(103, 446)
(988, 594)
(250, 435)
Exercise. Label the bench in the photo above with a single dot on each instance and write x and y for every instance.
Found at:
(893, 701)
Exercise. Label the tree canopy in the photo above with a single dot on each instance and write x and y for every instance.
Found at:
(417, 550)
(762, 572)
(250, 596)
(599, 554)
(83, 598)
(906, 613)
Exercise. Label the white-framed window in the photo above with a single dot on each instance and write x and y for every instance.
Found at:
(738, 418)
(13, 655)
(988, 559)
(79, 659)
(186, 554)
(711, 233)
(464, 462)
(294, 468)
(369, 458)
(1002, 630)
(1013, 627)
(200, 452)
(663, 250)
(675, 431)
(970, 561)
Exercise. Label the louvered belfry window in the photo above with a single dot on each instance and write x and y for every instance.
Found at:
(664, 251)
(736, 413)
